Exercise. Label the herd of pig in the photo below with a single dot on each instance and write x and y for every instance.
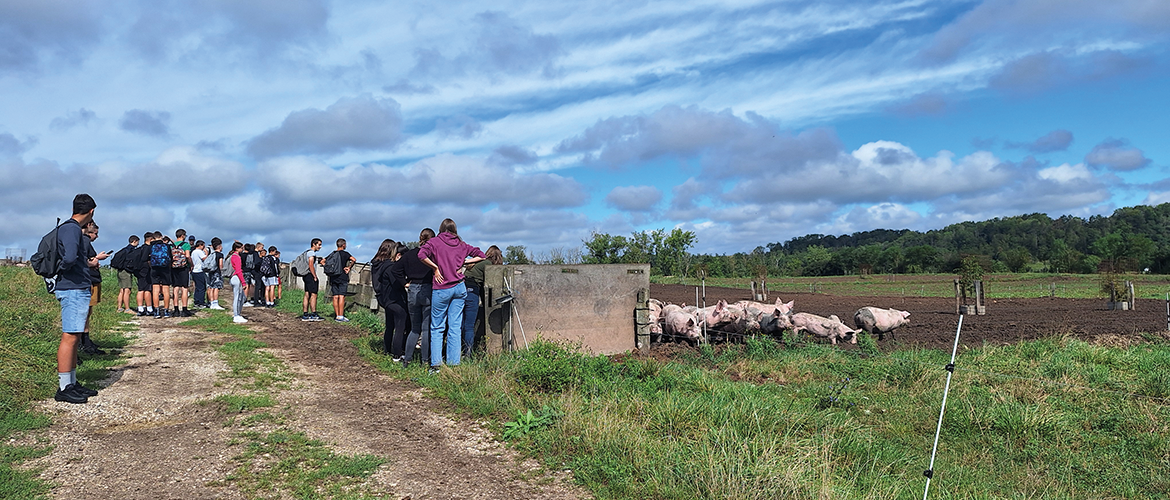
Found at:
(747, 317)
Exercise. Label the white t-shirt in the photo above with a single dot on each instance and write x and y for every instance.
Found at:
(197, 257)
(312, 255)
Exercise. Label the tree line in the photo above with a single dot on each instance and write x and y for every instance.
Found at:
(1132, 239)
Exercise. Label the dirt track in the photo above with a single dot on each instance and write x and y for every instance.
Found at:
(933, 320)
(147, 436)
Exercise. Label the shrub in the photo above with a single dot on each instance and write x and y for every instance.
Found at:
(548, 367)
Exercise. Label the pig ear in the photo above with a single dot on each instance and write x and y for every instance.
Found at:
(690, 323)
(834, 318)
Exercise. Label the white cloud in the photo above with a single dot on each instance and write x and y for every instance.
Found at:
(1065, 173)
(634, 198)
(352, 123)
(1116, 155)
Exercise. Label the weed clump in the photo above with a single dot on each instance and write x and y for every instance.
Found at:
(548, 367)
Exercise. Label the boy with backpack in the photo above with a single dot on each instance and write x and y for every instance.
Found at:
(141, 258)
(181, 273)
(66, 268)
(305, 266)
(160, 274)
(269, 268)
(337, 266)
(124, 263)
(212, 266)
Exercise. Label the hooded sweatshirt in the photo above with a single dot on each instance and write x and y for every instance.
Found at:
(448, 252)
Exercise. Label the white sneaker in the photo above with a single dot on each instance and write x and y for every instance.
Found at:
(216, 307)
(239, 319)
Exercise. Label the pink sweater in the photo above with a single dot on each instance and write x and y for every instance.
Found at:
(238, 267)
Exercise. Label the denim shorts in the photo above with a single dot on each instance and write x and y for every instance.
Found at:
(74, 309)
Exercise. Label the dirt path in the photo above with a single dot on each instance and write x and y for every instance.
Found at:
(145, 436)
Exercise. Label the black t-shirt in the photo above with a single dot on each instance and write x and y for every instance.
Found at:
(415, 270)
(95, 275)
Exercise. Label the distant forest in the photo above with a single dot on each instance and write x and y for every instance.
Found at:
(1132, 239)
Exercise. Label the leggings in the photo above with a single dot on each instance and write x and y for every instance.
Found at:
(394, 339)
(237, 296)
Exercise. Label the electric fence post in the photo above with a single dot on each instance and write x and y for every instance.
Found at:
(929, 473)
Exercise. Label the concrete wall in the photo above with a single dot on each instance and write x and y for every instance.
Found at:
(595, 306)
(601, 307)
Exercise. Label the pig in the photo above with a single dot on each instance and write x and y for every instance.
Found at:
(770, 319)
(680, 323)
(880, 321)
(784, 307)
(831, 328)
(653, 317)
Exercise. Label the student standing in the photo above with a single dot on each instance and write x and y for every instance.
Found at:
(73, 291)
(124, 263)
(390, 287)
(446, 254)
(160, 274)
(198, 274)
(418, 300)
(181, 273)
(312, 283)
(212, 266)
(142, 262)
(339, 281)
(471, 306)
(95, 275)
(270, 268)
(235, 264)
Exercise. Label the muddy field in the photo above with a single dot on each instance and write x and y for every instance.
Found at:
(933, 320)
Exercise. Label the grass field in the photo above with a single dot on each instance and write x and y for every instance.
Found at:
(1054, 418)
(999, 286)
(30, 329)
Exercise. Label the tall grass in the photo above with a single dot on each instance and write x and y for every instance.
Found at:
(30, 330)
(1054, 418)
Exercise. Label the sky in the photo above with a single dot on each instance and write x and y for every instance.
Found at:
(540, 123)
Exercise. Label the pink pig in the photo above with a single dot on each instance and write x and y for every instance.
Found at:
(831, 328)
(680, 323)
(880, 321)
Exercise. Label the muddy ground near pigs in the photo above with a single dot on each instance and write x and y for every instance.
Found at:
(933, 320)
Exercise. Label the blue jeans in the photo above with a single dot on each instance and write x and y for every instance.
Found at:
(200, 280)
(74, 308)
(447, 310)
(418, 307)
(470, 313)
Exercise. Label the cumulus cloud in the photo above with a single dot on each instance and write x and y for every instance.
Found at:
(496, 44)
(461, 126)
(932, 103)
(1157, 198)
(82, 117)
(352, 123)
(1116, 155)
(1057, 140)
(215, 28)
(11, 146)
(148, 123)
(34, 32)
(634, 198)
(444, 179)
(1010, 24)
(512, 155)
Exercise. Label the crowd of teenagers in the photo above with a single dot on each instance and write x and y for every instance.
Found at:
(430, 293)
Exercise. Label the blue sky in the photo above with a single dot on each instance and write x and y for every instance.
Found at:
(537, 123)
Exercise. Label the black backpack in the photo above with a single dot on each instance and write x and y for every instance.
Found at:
(269, 266)
(249, 262)
(333, 265)
(46, 262)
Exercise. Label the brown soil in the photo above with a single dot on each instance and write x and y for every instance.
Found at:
(145, 436)
(933, 320)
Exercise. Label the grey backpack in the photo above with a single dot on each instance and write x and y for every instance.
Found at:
(300, 265)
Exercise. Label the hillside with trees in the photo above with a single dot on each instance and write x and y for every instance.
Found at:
(1132, 239)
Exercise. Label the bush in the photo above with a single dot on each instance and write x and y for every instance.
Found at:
(548, 367)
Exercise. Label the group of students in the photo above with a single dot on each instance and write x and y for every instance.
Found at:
(166, 270)
(436, 289)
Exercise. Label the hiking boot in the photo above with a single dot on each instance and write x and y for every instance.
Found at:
(70, 395)
(83, 390)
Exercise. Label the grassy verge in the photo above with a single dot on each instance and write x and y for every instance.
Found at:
(997, 286)
(1054, 418)
(30, 330)
(275, 460)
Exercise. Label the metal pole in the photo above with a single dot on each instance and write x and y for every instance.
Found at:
(929, 473)
(703, 283)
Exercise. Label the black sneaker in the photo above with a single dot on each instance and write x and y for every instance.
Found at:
(187, 313)
(166, 314)
(93, 350)
(306, 317)
(70, 395)
(143, 313)
(83, 390)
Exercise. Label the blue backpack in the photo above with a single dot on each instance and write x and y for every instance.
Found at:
(160, 255)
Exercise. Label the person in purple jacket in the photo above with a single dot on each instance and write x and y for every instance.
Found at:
(446, 254)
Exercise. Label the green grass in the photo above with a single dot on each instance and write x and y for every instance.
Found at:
(29, 334)
(996, 286)
(1054, 418)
